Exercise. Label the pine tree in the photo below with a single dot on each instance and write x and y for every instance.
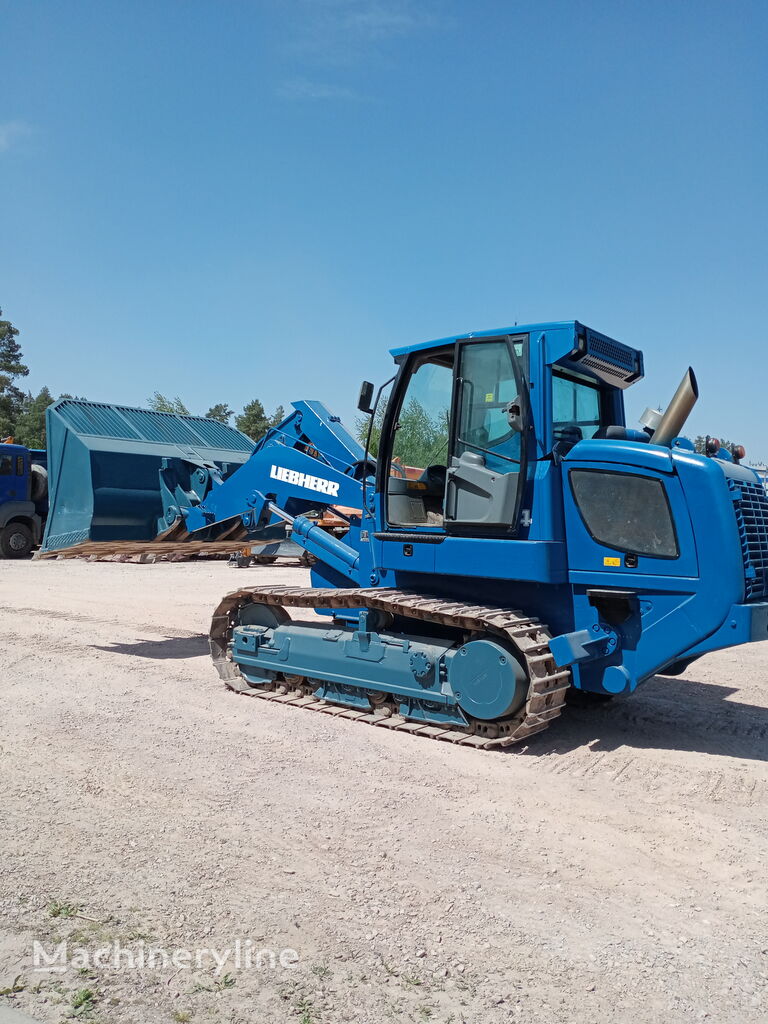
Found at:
(11, 367)
(30, 425)
(254, 421)
(221, 412)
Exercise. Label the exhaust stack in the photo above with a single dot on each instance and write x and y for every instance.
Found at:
(678, 410)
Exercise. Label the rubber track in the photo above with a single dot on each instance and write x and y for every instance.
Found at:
(530, 638)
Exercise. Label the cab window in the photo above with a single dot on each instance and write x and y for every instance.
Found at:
(576, 407)
(6, 465)
(489, 410)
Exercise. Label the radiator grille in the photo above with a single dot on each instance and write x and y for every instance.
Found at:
(751, 505)
(610, 350)
(600, 366)
(607, 359)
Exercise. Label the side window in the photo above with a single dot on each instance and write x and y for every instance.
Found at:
(6, 465)
(19, 465)
(576, 411)
(490, 414)
(627, 512)
(417, 465)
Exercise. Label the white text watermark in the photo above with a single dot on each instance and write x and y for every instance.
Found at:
(242, 955)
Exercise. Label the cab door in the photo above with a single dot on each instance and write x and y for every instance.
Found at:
(413, 460)
(486, 471)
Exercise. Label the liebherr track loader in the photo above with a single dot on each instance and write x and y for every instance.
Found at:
(514, 538)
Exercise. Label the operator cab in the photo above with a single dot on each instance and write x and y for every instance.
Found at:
(474, 386)
(466, 417)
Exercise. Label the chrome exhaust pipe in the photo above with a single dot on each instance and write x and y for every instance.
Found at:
(678, 410)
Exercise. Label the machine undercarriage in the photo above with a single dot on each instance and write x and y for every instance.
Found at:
(527, 687)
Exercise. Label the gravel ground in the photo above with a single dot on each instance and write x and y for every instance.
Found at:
(613, 870)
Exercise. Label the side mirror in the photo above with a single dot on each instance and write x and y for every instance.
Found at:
(365, 401)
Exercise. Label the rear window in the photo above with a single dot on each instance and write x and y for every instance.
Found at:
(576, 407)
(626, 511)
(6, 465)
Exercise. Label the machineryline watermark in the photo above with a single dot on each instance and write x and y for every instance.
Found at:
(242, 955)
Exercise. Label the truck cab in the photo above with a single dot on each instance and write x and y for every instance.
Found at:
(23, 499)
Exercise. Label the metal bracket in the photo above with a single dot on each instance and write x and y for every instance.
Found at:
(584, 645)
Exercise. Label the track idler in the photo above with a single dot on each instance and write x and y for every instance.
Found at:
(487, 680)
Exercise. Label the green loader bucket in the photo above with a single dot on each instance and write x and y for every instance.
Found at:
(103, 463)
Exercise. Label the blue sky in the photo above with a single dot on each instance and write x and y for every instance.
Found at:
(227, 200)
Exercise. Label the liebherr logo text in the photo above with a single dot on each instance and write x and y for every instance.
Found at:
(313, 483)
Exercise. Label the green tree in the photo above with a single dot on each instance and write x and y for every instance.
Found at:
(220, 412)
(11, 368)
(30, 425)
(254, 421)
(420, 439)
(160, 403)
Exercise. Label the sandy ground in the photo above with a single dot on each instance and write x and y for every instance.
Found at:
(612, 871)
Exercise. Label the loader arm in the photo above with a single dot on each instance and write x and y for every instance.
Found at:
(132, 482)
(308, 463)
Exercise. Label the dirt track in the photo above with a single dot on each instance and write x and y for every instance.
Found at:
(614, 870)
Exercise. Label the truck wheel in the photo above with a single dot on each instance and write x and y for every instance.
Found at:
(16, 541)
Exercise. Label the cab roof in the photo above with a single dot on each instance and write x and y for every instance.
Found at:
(569, 344)
(555, 325)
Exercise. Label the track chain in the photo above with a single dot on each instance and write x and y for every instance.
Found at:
(529, 637)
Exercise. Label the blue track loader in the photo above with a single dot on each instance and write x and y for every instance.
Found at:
(512, 539)
(515, 539)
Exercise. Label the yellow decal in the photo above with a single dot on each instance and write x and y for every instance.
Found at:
(489, 397)
(611, 561)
